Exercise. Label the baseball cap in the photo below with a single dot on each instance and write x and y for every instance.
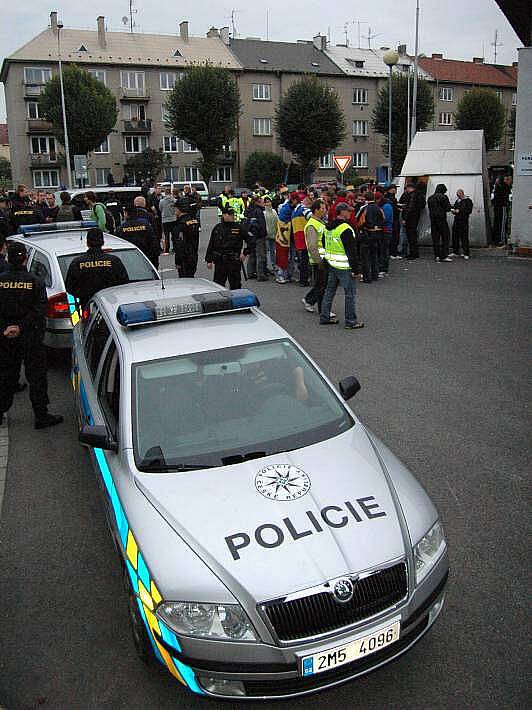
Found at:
(341, 206)
(295, 196)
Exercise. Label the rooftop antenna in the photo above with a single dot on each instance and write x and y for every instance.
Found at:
(359, 22)
(267, 24)
(128, 19)
(233, 22)
(496, 44)
(370, 37)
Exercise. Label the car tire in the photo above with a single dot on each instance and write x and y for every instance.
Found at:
(141, 639)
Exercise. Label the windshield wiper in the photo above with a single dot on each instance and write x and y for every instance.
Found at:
(155, 461)
(240, 458)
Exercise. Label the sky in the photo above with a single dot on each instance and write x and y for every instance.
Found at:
(460, 29)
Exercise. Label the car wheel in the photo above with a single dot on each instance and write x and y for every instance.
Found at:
(140, 635)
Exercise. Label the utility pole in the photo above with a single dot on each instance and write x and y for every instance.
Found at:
(65, 128)
(414, 90)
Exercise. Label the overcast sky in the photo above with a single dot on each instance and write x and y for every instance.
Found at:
(460, 29)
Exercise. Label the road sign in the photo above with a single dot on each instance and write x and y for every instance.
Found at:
(342, 162)
(80, 167)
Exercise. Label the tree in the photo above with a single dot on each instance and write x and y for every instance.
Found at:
(424, 115)
(309, 121)
(90, 109)
(5, 170)
(511, 123)
(481, 109)
(148, 165)
(203, 109)
(264, 167)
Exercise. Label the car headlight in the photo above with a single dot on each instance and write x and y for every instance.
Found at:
(227, 622)
(428, 551)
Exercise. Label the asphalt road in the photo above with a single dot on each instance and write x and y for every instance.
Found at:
(443, 363)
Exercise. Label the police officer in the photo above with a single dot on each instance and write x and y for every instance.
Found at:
(185, 240)
(23, 306)
(226, 251)
(23, 210)
(138, 231)
(94, 270)
(149, 219)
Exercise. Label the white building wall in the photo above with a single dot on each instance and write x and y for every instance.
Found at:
(522, 187)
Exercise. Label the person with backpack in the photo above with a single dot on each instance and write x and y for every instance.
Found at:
(370, 221)
(67, 212)
(100, 214)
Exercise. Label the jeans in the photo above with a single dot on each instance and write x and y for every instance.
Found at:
(368, 255)
(318, 275)
(344, 277)
(383, 251)
(411, 233)
(403, 241)
(303, 265)
(167, 235)
(270, 252)
(257, 259)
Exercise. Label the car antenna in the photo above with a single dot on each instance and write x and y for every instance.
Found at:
(162, 281)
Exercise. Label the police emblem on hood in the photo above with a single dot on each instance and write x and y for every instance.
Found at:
(282, 482)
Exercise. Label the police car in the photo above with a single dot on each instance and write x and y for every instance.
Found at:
(51, 248)
(271, 545)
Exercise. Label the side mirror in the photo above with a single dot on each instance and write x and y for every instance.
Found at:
(349, 387)
(97, 436)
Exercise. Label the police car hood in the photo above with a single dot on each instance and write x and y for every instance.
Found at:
(282, 523)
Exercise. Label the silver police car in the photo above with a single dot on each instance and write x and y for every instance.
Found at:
(271, 545)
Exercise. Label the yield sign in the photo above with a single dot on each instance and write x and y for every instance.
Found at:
(342, 162)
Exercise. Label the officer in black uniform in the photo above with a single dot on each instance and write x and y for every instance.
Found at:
(185, 240)
(94, 270)
(138, 231)
(23, 306)
(25, 212)
(225, 249)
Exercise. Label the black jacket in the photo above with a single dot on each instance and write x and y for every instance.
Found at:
(138, 232)
(23, 300)
(413, 204)
(349, 244)
(438, 204)
(227, 240)
(257, 224)
(186, 226)
(93, 271)
(464, 207)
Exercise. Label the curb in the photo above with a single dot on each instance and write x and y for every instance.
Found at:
(4, 446)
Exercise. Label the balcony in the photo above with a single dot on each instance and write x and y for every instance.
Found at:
(32, 90)
(38, 125)
(137, 126)
(139, 94)
(44, 160)
(226, 157)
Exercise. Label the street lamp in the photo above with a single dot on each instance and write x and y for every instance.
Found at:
(390, 58)
(65, 130)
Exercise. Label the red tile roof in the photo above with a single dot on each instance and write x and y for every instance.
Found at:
(4, 138)
(459, 72)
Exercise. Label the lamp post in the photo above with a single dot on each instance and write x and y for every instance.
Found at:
(65, 130)
(390, 58)
(413, 128)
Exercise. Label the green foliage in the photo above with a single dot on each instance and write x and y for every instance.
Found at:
(481, 109)
(424, 111)
(90, 109)
(203, 108)
(309, 121)
(511, 123)
(5, 170)
(352, 176)
(264, 167)
(148, 165)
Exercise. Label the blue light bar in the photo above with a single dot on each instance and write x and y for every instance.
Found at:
(56, 227)
(199, 304)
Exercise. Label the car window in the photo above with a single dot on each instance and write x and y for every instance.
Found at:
(95, 341)
(137, 266)
(40, 266)
(109, 388)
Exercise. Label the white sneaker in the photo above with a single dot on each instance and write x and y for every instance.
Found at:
(447, 258)
(333, 315)
(307, 306)
(382, 274)
(437, 258)
(453, 254)
(465, 256)
(281, 280)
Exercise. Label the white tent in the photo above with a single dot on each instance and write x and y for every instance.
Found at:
(457, 159)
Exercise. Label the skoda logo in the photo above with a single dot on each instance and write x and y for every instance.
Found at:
(343, 590)
(282, 482)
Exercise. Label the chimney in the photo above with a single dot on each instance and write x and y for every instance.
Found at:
(224, 35)
(478, 60)
(183, 30)
(53, 22)
(320, 42)
(401, 50)
(100, 21)
(213, 32)
(437, 56)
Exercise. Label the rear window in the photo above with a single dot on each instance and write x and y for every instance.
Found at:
(137, 266)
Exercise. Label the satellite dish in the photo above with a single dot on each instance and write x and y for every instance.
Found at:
(125, 20)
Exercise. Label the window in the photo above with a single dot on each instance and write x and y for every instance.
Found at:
(446, 118)
(109, 388)
(135, 144)
(170, 144)
(95, 343)
(104, 147)
(497, 146)
(326, 161)
(164, 113)
(223, 174)
(189, 147)
(514, 98)
(360, 128)
(360, 96)
(360, 160)
(40, 266)
(511, 144)
(45, 178)
(32, 109)
(499, 94)
(134, 112)
(99, 74)
(36, 75)
(172, 174)
(358, 63)
(133, 81)
(42, 145)
(262, 126)
(192, 174)
(167, 80)
(262, 92)
(101, 176)
(446, 93)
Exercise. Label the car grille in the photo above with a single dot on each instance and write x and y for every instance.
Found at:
(320, 613)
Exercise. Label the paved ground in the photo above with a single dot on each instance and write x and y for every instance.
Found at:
(444, 368)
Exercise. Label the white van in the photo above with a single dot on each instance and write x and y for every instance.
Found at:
(126, 195)
(200, 186)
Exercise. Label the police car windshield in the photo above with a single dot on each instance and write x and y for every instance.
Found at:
(225, 406)
(137, 266)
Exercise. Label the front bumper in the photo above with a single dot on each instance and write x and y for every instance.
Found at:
(269, 672)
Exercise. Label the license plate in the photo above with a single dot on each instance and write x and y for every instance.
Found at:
(349, 652)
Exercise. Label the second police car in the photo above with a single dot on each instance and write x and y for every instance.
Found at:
(272, 546)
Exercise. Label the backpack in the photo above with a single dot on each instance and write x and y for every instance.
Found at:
(65, 214)
(110, 224)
